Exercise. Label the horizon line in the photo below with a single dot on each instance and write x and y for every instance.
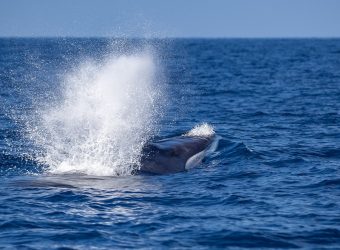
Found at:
(170, 37)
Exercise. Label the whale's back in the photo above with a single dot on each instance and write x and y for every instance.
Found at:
(173, 154)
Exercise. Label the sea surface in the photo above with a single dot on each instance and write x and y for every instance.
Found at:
(75, 113)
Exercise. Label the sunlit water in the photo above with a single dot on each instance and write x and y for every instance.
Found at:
(75, 114)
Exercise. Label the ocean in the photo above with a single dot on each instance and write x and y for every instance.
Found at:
(75, 114)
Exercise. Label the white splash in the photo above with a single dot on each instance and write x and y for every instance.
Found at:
(203, 129)
(107, 113)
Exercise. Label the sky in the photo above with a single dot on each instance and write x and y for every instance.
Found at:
(170, 18)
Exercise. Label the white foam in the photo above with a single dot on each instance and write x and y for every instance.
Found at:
(203, 129)
(106, 114)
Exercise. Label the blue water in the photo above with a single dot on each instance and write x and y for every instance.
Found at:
(273, 182)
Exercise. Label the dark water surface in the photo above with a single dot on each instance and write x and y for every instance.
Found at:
(274, 181)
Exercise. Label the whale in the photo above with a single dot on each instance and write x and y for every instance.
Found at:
(176, 154)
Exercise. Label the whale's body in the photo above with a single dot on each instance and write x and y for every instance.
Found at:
(175, 154)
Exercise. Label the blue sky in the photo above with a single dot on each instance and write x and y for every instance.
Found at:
(170, 18)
